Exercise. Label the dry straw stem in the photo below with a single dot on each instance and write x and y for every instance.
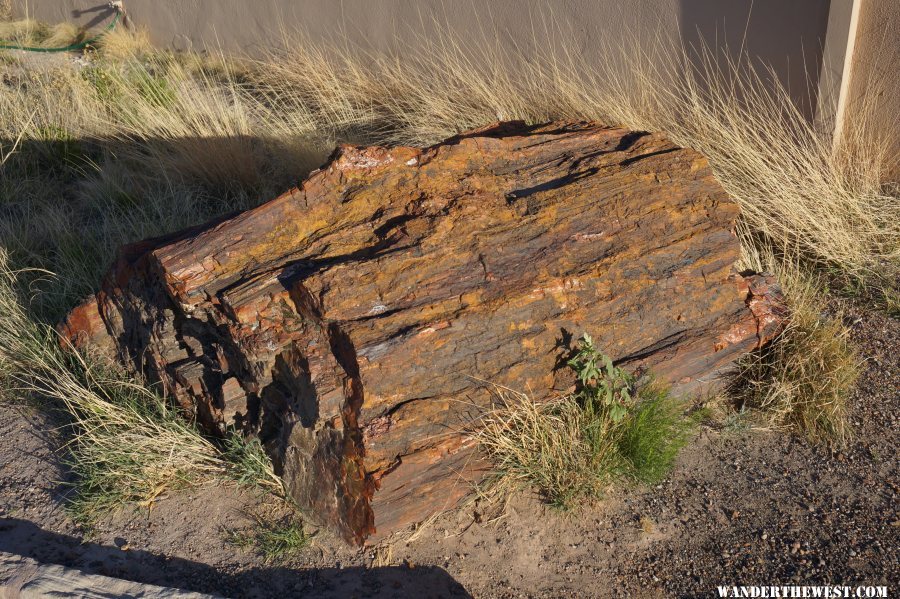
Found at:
(383, 556)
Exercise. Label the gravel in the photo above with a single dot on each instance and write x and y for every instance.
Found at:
(746, 507)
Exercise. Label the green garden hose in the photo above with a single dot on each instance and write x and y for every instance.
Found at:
(70, 47)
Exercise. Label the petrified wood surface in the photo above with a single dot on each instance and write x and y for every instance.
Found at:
(349, 322)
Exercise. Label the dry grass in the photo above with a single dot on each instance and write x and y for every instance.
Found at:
(61, 35)
(134, 152)
(242, 131)
(796, 192)
(573, 447)
(382, 556)
(28, 32)
(23, 31)
(802, 381)
(127, 445)
(140, 143)
(542, 446)
(124, 43)
(572, 453)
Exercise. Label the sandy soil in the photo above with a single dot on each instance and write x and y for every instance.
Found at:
(741, 507)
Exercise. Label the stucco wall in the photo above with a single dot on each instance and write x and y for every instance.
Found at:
(787, 35)
(874, 74)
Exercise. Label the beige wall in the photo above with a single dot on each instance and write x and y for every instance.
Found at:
(785, 34)
(873, 84)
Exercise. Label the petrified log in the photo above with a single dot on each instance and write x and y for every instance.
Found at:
(350, 321)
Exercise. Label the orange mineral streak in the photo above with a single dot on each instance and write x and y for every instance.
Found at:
(349, 322)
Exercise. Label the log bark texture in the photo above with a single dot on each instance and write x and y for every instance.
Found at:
(350, 322)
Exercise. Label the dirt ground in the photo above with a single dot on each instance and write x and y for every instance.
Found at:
(742, 506)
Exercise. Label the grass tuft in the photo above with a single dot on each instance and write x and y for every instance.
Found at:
(654, 433)
(544, 446)
(127, 446)
(802, 381)
(124, 43)
(575, 447)
(277, 541)
(28, 32)
(248, 463)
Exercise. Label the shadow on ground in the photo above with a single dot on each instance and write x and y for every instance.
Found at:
(22, 537)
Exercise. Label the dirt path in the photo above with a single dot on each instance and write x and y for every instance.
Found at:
(741, 507)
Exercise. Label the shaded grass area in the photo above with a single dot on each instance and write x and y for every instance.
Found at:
(275, 540)
(71, 194)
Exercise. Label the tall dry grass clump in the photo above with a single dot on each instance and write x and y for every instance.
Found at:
(798, 193)
(795, 190)
(31, 33)
(125, 43)
(541, 445)
(114, 152)
(803, 380)
(127, 446)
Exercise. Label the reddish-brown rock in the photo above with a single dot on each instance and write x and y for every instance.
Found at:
(350, 322)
